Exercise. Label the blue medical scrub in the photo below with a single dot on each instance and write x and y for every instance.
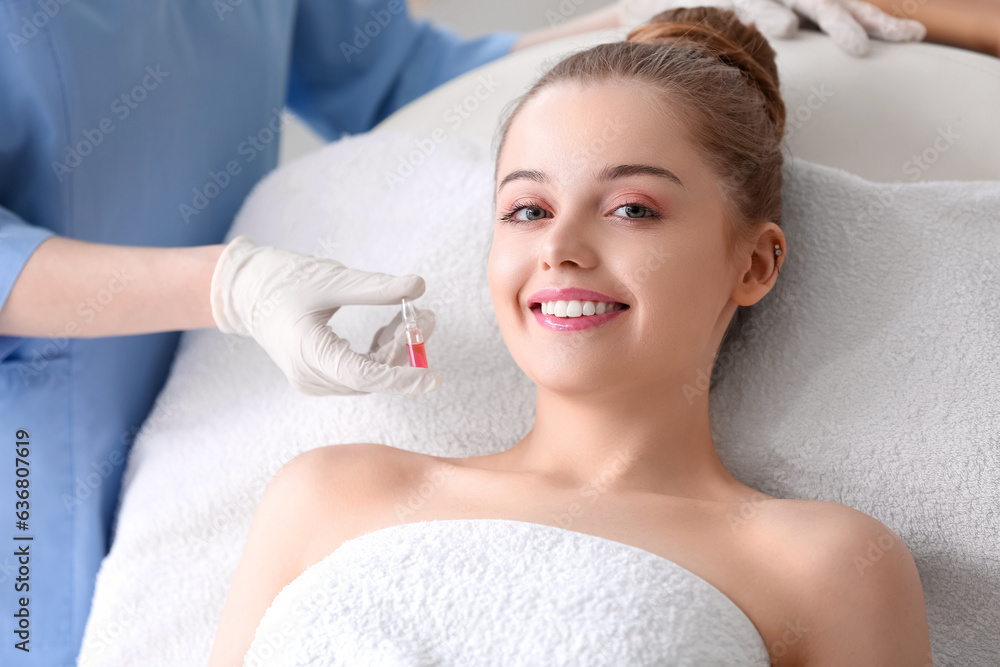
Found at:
(147, 123)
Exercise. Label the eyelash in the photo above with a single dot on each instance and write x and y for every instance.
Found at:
(508, 216)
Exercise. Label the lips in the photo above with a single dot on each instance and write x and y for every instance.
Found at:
(570, 294)
(555, 323)
(572, 323)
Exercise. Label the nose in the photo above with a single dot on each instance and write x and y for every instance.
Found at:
(567, 243)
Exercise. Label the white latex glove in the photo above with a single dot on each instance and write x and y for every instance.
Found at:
(283, 299)
(848, 22)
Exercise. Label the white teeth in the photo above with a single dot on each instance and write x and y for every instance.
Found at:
(577, 308)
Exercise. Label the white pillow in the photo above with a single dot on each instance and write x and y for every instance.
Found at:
(868, 376)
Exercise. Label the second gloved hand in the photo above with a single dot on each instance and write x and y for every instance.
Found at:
(283, 299)
(848, 22)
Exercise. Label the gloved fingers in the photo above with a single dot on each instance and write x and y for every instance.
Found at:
(771, 18)
(384, 348)
(836, 20)
(882, 25)
(331, 363)
(362, 372)
(356, 287)
(303, 366)
(389, 343)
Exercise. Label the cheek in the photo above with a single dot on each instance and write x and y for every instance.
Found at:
(507, 270)
(494, 275)
(663, 274)
(684, 297)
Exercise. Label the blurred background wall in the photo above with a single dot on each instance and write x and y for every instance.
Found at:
(969, 24)
(468, 18)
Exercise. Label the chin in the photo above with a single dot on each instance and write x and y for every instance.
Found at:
(565, 373)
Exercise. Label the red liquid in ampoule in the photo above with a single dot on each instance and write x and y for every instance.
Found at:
(418, 358)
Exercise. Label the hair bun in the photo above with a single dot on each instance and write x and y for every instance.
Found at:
(721, 33)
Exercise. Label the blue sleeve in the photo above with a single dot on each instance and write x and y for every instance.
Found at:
(354, 62)
(18, 240)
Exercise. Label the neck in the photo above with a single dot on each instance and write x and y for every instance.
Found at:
(656, 441)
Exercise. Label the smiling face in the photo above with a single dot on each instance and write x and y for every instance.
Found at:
(599, 190)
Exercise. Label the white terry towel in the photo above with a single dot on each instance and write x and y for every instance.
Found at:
(500, 592)
(869, 376)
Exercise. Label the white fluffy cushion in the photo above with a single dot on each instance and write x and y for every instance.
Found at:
(868, 376)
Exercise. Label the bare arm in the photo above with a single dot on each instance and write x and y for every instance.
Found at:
(314, 502)
(599, 19)
(79, 289)
(271, 556)
(866, 604)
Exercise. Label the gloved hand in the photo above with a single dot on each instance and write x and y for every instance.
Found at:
(283, 299)
(848, 22)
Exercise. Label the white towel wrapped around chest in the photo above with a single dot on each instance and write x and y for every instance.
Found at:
(500, 592)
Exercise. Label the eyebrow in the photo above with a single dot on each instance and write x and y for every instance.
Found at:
(525, 175)
(623, 170)
(606, 174)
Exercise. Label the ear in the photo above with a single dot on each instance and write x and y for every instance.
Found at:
(759, 265)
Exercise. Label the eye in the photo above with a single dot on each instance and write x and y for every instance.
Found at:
(530, 213)
(635, 210)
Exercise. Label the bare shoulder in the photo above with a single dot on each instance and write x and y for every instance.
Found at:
(344, 490)
(851, 582)
(314, 501)
(351, 471)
